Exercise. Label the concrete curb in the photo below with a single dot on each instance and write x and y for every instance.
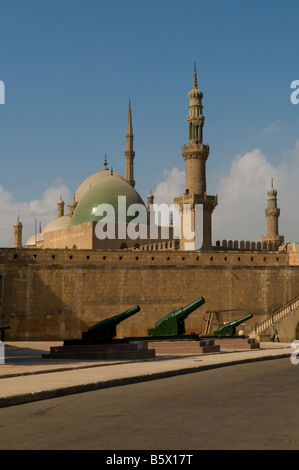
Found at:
(19, 399)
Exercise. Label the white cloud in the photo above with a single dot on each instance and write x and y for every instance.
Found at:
(293, 152)
(173, 186)
(273, 128)
(242, 196)
(165, 192)
(43, 210)
(240, 214)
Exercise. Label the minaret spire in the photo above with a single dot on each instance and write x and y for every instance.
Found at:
(195, 78)
(129, 153)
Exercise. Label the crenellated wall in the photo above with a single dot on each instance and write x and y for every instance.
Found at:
(247, 245)
(57, 294)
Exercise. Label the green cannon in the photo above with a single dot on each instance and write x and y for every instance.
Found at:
(105, 330)
(173, 323)
(229, 329)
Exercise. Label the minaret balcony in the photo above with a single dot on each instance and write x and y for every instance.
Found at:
(195, 149)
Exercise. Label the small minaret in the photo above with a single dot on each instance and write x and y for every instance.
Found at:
(60, 208)
(71, 207)
(150, 201)
(17, 239)
(272, 213)
(129, 153)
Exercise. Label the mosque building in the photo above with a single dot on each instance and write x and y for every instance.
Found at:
(69, 275)
(77, 227)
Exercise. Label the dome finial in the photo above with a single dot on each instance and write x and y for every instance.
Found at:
(105, 163)
(271, 182)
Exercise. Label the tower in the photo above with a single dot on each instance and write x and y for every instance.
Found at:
(60, 208)
(129, 153)
(195, 205)
(17, 232)
(150, 201)
(272, 213)
(195, 154)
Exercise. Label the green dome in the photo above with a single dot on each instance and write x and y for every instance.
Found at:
(105, 191)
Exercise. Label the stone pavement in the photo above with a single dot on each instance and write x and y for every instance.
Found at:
(26, 376)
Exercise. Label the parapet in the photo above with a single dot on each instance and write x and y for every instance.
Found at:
(246, 245)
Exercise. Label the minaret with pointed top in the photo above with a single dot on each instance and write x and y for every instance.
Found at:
(17, 239)
(129, 153)
(196, 152)
(195, 203)
(272, 213)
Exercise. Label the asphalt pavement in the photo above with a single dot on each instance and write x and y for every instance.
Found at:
(26, 376)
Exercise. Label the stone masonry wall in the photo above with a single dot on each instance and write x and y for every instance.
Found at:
(57, 294)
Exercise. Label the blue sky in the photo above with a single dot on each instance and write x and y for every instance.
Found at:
(70, 66)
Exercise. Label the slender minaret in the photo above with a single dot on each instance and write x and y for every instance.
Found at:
(17, 239)
(150, 201)
(272, 213)
(195, 154)
(195, 203)
(129, 153)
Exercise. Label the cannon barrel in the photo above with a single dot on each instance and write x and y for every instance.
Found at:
(105, 330)
(229, 329)
(173, 323)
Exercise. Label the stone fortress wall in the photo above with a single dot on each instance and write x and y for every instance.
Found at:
(58, 294)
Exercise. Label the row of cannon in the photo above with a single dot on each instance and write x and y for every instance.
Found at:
(172, 324)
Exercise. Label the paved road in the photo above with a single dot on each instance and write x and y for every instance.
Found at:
(249, 406)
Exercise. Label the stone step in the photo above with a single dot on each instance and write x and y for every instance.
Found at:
(101, 351)
(105, 355)
(237, 343)
(99, 347)
(183, 347)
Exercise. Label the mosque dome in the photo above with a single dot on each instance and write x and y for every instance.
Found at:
(33, 239)
(105, 191)
(92, 180)
(56, 224)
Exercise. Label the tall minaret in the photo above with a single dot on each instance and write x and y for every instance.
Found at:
(129, 153)
(272, 213)
(196, 152)
(195, 198)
